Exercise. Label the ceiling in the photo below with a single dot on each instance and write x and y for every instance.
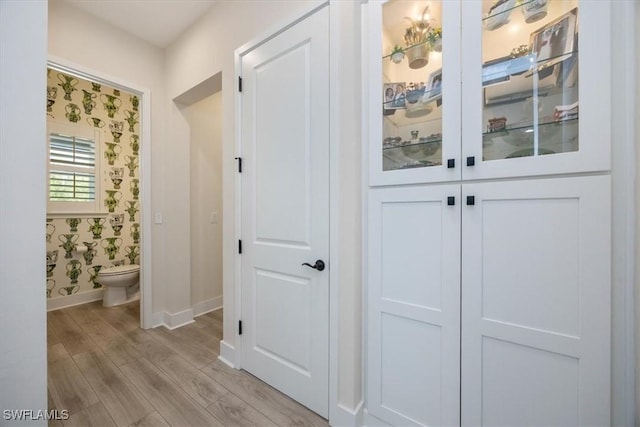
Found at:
(158, 22)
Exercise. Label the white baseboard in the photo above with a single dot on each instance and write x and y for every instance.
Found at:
(175, 320)
(172, 321)
(75, 299)
(227, 354)
(207, 306)
(343, 416)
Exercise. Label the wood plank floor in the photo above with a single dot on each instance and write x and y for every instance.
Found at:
(106, 371)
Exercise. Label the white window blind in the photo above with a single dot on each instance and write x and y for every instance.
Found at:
(72, 169)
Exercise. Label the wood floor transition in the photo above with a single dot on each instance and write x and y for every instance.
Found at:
(106, 371)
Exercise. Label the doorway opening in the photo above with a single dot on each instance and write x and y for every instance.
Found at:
(201, 112)
(99, 186)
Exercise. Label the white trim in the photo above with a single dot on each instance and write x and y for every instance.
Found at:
(146, 313)
(175, 320)
(336, 416)
(235, 358)
(623, 136)
(172, 321)
(207, 306)
(75, 299)
(227, 354)
(364, 188)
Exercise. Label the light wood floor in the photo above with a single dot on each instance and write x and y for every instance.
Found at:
(106, 371)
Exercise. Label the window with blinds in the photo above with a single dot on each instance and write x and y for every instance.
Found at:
(72, 176)
(73, 173)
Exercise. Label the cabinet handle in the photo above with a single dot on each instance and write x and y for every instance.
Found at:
(451, 201)
(451, 163)
(471, 200)
(471, 160)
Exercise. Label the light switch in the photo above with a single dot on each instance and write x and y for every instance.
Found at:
(157, 218)
(213, 218)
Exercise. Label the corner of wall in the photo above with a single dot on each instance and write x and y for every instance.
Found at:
(227, 354)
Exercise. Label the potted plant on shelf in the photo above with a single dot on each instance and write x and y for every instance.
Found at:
(435, 38)
(416, 39)
(397, 54)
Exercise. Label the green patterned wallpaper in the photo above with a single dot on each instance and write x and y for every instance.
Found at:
(109, 240)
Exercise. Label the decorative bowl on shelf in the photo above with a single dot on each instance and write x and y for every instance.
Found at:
(534, 10)
(410, 148)
(429, 147)
(418, 55)
(397, 54)
(499, 14)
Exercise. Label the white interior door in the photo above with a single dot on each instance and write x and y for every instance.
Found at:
(285, 211)
(535, 303)
(413, 366)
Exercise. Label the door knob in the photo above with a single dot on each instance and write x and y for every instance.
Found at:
(319, 265)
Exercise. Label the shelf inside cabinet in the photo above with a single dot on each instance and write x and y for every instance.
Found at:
(526, 129)
(553, 137)
(506, 7)
(428, 148)
(427, 42)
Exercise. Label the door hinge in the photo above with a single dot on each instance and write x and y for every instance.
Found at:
(239, 159)
(239, 84)
(239, 327)
(239, 246)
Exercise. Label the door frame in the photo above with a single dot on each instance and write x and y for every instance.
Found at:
(335, 410)
(146, 308)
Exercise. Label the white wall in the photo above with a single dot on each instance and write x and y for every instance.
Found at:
(23, 351)
(79, 38)
(205, 123)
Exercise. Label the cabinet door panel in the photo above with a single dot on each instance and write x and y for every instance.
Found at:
(535, 97)
(413, 108)
(536, 302)
(414, 305)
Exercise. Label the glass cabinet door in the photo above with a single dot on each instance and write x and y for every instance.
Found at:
(412, 48)
(536, 102)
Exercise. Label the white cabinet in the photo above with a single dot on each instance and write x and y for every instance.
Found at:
(488, 234)
(535, 302)
(495, 307)
(501, 95)
(413, 345)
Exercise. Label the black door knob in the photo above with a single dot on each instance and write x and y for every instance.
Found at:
(319, 265)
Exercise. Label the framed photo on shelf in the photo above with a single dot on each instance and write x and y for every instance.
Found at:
(554, 42)
(394, 96)
(434, 85)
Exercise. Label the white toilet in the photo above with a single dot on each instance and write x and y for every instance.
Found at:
(120, 283)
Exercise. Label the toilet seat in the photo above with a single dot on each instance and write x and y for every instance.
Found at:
(120, 269)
